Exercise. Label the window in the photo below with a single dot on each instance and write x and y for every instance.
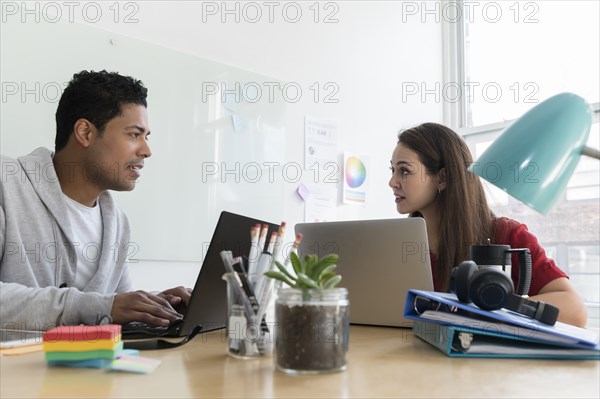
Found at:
(510, 56)
(519, 53)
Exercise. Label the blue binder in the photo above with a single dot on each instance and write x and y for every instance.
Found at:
(464, 330)
(457, 341)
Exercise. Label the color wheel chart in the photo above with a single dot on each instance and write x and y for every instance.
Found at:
(355, 180)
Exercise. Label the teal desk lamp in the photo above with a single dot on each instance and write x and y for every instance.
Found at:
(534, 158)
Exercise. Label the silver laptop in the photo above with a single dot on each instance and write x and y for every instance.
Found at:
(380, 260)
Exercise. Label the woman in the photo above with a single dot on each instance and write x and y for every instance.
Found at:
(430, 180)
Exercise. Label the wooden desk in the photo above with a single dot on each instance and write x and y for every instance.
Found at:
(382, 362)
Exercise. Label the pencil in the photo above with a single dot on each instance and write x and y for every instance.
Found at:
(280, 235)
(272, 242)
(253, 256)
(263, 238)
(273, 285)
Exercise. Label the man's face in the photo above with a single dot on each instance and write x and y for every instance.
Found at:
(115, 157)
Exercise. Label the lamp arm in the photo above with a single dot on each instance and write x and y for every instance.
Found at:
(591, 152)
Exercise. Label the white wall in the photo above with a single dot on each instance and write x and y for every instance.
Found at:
(368, 54)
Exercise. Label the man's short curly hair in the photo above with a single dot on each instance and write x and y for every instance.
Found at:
(97, 97)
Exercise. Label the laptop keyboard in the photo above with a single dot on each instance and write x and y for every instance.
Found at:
(136, 329)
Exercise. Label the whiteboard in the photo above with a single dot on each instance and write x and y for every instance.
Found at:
(218, 132)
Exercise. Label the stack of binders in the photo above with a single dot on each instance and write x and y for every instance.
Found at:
(83, 346)
(461, 329)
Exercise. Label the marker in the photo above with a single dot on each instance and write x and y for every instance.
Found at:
(250, 293)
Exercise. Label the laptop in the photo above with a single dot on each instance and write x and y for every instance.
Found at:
(207, 307)
(380, 260)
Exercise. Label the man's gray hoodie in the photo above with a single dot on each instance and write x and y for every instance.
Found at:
(38, 252)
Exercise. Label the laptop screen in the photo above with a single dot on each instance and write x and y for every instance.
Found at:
(208, 304)
(380, 260)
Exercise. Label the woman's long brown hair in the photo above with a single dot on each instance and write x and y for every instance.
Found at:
(463, 213)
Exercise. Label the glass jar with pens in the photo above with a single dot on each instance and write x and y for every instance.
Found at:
(250, 298)
(250, 316)
(248, 334)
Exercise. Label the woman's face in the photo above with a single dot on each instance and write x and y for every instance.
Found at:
(414, 189)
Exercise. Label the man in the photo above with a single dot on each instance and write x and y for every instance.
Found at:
(63, 241)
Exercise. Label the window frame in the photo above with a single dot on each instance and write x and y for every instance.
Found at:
(455, 115)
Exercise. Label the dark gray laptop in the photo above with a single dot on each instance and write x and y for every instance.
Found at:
(208, 305)
(380, 260)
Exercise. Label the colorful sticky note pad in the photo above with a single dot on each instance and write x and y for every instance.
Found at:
(84, 333)
(85, 355)
(89, 363)
(79, 346)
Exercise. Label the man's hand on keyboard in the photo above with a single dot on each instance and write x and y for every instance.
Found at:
(143, 306)
(178, 297)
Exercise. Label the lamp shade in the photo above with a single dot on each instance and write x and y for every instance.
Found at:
(534, 158)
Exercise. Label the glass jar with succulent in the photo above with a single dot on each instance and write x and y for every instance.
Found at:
(311, 316)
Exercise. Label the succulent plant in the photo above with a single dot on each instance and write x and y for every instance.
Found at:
(308, 272)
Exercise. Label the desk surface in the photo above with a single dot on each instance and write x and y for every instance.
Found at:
(382, 362)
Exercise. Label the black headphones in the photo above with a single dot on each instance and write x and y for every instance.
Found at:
(492, 289)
